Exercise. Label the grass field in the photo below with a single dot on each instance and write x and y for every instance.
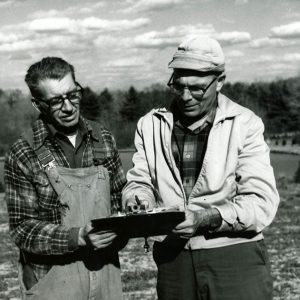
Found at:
(139, 271)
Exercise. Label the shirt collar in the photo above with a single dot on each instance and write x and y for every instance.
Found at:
(226, 109)
(43, 130)
(82, 129)
(199, 124)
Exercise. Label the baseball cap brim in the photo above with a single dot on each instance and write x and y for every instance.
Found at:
(195, 64)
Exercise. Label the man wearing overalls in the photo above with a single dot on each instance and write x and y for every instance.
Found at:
(62, 173)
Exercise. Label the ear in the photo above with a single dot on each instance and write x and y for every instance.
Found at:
(35, 104)
(220, 81)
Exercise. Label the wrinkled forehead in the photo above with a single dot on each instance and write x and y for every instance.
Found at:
(51, 87)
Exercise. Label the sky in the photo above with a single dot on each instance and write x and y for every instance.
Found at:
(116, 44)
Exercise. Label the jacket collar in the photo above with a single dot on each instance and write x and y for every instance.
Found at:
(41, 131)
(226, 109)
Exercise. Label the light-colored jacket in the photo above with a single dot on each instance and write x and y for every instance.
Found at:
(236, 175)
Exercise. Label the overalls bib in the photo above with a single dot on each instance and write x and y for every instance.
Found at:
(86, 273)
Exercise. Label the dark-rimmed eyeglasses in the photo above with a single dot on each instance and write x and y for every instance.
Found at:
(196, 92)
(57, 102)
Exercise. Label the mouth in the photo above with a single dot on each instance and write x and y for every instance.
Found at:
(190, 107)
(68, 118)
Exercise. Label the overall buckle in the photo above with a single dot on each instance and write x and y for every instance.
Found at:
(47, 160)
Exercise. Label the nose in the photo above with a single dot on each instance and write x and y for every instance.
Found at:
(67, 105)
(186, 95)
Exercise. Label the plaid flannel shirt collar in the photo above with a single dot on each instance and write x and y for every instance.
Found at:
(42, 131)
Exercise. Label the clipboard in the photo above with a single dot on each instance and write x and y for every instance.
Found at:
(143, 224)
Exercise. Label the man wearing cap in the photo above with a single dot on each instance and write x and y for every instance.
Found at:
(207, 156)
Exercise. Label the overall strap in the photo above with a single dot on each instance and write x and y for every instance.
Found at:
(47, 159)
(44, 155)
(98, 146)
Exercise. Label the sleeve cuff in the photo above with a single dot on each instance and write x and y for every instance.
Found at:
(229, 217)
(73, 239)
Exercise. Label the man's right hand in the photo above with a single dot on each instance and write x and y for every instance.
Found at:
(131, 203)
(98, 240)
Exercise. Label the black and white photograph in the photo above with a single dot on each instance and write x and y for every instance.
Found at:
(150, 149)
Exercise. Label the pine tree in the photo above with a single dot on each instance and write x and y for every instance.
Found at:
(278, 108)
(90, 107)
(131, 108)
(106, 102)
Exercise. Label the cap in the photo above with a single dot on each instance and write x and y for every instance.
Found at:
(199, 53)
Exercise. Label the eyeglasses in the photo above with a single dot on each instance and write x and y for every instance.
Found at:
(196, 92)
(57, 102)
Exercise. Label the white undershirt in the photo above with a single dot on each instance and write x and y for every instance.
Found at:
(72, 138)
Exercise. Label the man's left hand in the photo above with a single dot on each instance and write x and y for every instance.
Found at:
(194, 220)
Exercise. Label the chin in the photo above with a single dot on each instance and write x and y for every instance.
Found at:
(193, 114)
(68, 126)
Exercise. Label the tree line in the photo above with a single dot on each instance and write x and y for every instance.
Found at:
(276, 102)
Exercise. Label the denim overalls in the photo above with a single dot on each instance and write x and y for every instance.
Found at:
(84, 274)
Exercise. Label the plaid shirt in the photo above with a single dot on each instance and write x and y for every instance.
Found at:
(33, 206)
(189, 147)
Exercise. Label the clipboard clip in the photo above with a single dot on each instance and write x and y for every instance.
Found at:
(137, 208)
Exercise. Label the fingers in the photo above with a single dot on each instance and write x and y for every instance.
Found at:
(183, 225)
(102, 239)
(184, 229)
(87, 228)
(184, 233)
(187, 228)
(131, 202)
(189, 221)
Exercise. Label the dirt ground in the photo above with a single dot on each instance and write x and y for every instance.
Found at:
(139, 271)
